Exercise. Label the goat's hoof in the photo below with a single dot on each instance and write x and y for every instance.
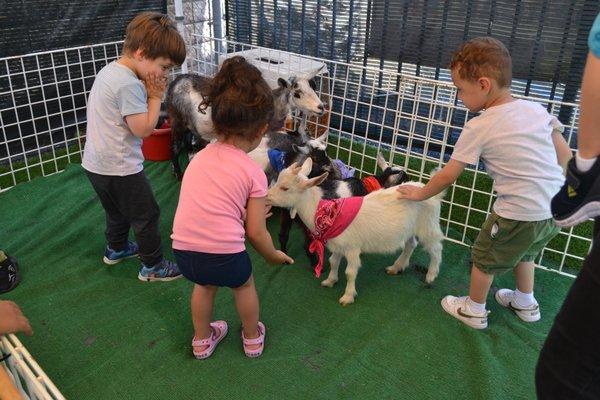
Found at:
(429, 279)
(328, 282)
(392, 271)
(346, 300)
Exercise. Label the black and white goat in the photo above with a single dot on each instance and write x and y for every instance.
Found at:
(294, 146)
(383, 224)
(184, 97)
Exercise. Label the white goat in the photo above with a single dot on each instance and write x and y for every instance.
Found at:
(383, 224)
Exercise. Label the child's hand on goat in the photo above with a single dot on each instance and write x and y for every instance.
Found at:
(155, 85)
(280, 258)
(410, 192)
(12, 319)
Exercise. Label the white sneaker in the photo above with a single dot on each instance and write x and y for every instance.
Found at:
(457, 307)
(506, 298)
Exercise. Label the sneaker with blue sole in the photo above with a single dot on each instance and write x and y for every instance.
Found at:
(112, 257)
(579, 198)
(163, 271)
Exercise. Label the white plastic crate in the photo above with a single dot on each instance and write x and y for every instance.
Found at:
(275, 64)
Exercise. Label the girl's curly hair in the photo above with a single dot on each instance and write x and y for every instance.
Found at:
(241, 101)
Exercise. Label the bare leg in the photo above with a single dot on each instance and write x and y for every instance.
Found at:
(351, 272)
(480, 285)
(524, 276)
(334, 264)
(246, 303)
(202, 309)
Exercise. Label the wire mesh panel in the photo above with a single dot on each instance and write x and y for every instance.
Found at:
(414, 122)
(42, 109)
(29, 379)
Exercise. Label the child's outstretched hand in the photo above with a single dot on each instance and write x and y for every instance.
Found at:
(12, 319)
(410, 192)
(280, 258)
(155, 85)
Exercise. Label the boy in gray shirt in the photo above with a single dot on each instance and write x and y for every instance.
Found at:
(122, 109)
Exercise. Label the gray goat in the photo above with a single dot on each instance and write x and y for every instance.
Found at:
(184, 96)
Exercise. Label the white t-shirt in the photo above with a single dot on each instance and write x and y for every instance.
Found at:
(514, 141)
(110, 146)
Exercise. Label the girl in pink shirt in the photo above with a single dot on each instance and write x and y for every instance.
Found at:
(222, 200)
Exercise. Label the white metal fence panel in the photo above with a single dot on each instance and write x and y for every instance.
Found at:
(43, 100)
(414, 121)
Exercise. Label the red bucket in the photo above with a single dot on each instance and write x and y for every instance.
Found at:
(157, 147)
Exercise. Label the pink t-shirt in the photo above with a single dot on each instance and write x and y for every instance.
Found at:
(213, 199)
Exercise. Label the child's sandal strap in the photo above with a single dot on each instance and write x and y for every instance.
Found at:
(202, 342)
(257, 340)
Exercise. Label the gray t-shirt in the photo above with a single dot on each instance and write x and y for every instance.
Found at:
(514, 141)
(110, 147)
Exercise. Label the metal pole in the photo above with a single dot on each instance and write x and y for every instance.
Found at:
(179, 20)
(217, 15)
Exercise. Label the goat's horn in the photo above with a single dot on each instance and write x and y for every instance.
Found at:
(295, 168)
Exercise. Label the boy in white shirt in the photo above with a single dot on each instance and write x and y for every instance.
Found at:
(522, 148)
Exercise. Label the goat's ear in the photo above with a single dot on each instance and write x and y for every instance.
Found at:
(316, 180)
(293, 212)
(300, 149)
(323, 137)
(282, 83)
(383, 165)
(315, 72)
(306, 167)
(294, 168)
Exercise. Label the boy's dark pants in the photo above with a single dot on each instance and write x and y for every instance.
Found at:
(129, 202)
(569, 363)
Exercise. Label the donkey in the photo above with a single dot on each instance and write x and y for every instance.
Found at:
(184, 97)
(382, 224)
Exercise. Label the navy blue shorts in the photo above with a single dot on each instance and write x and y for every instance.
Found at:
(231, 270)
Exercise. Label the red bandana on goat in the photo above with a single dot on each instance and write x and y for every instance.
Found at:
(371, 184)
(331, 219)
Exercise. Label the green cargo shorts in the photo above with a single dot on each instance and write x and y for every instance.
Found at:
(502, 243)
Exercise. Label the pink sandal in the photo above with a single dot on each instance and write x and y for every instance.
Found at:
(259, 340)
(211, 342)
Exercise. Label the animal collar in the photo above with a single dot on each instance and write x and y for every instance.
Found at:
(331, 219)
(371, 184)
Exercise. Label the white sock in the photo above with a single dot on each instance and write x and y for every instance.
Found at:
(524, 299)
(584, 164)
(477, 308)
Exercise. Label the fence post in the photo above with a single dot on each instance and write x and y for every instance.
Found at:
(179, 19)
(217, 15)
